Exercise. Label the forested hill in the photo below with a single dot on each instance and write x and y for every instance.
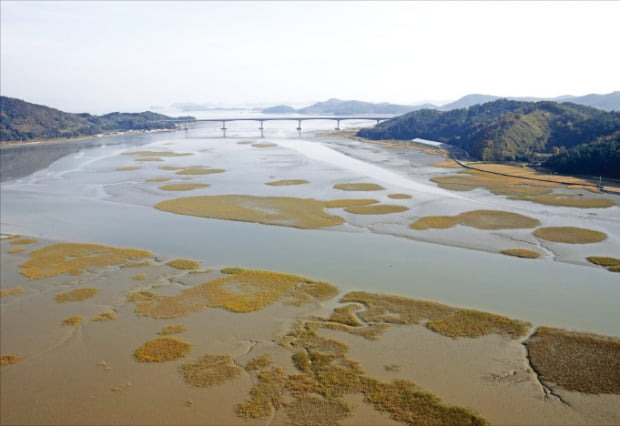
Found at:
(23, 121)
(503, 129)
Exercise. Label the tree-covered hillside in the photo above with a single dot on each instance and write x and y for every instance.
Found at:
(599, 158)
(503, 130)
(23, 121)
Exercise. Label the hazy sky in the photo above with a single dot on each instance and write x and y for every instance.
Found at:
(109, 56)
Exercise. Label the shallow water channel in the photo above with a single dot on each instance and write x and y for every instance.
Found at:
(82, 197)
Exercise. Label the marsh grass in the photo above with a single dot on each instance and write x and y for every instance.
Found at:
(479, 219)
(75, 258)
(210, 370)
(162, 349)
(376, 209)
(157, 154)
(567, 200)
(105, 316)
(9, 359)
(350, 202)
(244, 291)
(301, 213)
(346, 315)
(604, 261)
(148, 159)
(470, 323)
(23, 241)
(399, 196)
(570, 235)
(258, 363)
(13, 291)
(579, 362)
(266, 395)
(198, 170)
(183, 264)
(231, 270)
(264, 145)
(183, 186)
(287, 182)
(14, 250)
(312, 410)
(468, 180)
(523, 253)
(128, 168)
(75, 320)
(358, 187)
(139, 277)
(450, 164)
(172, 329)
(76, 295)
(160, 179)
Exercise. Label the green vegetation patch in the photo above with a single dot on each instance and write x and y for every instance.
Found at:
(570, 235)
(75, 258)
(76, 295)
(304, 213)
(579, 362)
(210, 370)
(480, 219)
(287, 182)
(245, 291)
(604, 261)
(523, 253)
(162, 349)
(358, 187)
(377, 209)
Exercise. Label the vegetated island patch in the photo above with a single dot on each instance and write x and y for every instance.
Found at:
(105, 316)
(399, 196)
(245, 291)
(523, 253)
(611, 263)
(378, 311)
(14, 250)
(22, 241)
(358, 187)
(162, 349)
(210, 370)
(157, 154)
(76, 295)
(148, 159)
(172, 329)
(570, 235)
(480, 219)
(287, 182)
(351, 202)
(13, 291)
(128, 168)
(581, 362)
(74, 320)
(198, 170)
(304, 213)
(264, 145)
(9, 359)
(159, 179)
(183, 263)
(75, 258)
(377, 209)
(183, 186)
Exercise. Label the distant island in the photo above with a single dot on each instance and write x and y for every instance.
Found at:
(23, 121)
(565, 137)
(335, 106)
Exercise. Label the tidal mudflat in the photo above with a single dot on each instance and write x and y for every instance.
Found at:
(167, 314)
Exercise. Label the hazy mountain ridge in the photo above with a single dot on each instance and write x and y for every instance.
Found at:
(506, 130)
(336, 106)
(23, 121)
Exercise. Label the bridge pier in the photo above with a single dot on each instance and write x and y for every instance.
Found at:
(223, 128)
(299, 126)
(337, 124)
(261, 128)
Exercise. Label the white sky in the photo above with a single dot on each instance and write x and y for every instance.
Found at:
(126, 56)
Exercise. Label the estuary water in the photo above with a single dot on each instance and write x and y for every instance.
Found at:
(81, 196)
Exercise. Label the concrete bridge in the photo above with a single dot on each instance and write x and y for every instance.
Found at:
(262, 120)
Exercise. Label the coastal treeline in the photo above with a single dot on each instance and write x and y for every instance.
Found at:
(24, 121)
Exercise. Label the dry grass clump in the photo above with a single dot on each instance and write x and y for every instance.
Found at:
(579, 362)
(172, 329)
(105, 316)
(170, 168)
(76, 295)
(9, 359)
(183, 263)
(523, 253)
(267, 395)
(16, 250)
(350, 202)
(75, 320)
(157, 154)
(377, 209)
(346, 315)
(198, 170)
(210, 370)
(312, 410)
(447, 164)
(139, 277)
(23, 241)
(74, 258)
(406, 403)
(568, 200)
(162, 349)
(13, 291)
(367, 331)
(160, 179)
(468, 180)
(183, 186)
(143, 296)
(301, 213)
(358, 187)
(523, 171)
(470, 323)
(244, 142)
(480, 219)
(399, 196)
(264, 145)
(128, 168)
(287, 182)
(607, 262)
(258, 363)
(244, 291)
(231, 270)
(570, 235)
